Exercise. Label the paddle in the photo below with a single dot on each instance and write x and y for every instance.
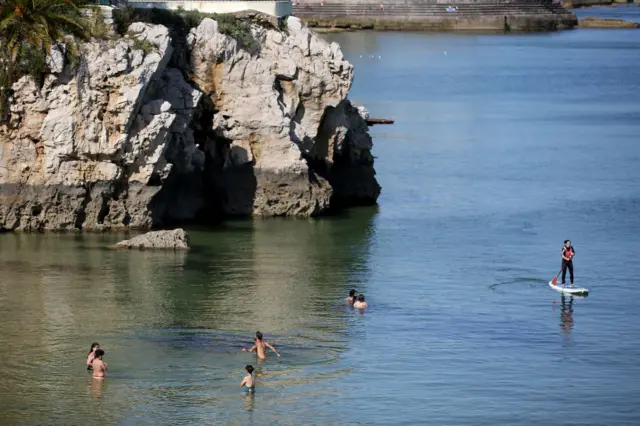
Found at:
(554, 281)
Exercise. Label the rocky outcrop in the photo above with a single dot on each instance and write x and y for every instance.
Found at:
(130, 139)
(591, 22)
(85, 150)
(284, 113)
(174, 240)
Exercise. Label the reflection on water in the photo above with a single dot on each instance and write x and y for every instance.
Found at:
(172, 323)
(96, 387)
(249, 401)
(566, 315)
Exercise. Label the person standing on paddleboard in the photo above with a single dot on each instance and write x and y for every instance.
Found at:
(567, 261)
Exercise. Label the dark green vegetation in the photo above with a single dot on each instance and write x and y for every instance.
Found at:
(181, 21)
(28, 29)
(39, 23)
(145, 45)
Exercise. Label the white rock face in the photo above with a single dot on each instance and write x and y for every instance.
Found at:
(84, 151)
(271, 106)
(174, 240)
(125, 141)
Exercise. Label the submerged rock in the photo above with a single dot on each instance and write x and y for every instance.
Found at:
(132, 138)
(175, 240)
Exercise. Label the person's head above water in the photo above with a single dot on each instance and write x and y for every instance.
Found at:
(94, 346)
(259, 335)
(353, 292)
(249, 369)
(361, 298)
(567, 243)
(99, 353)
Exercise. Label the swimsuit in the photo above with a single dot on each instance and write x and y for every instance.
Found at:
(248, 389)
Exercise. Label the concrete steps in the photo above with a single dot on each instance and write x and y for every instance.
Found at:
(416, 10)
(346, 10)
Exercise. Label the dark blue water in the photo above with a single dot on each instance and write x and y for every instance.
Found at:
(503, 147)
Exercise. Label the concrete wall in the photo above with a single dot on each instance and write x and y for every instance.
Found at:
(278, 8)
(432, 15)
(589, 3)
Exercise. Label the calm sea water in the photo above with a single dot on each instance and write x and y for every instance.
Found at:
(503, 147)
(629, 12)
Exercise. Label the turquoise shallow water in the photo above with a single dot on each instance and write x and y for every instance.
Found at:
(502, 148)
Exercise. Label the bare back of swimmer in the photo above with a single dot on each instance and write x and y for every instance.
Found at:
(99, 366)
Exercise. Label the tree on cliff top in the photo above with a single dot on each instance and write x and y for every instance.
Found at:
(38, 23)
(28, 29)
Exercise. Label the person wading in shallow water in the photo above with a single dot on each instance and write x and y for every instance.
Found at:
(249, 382)
(360, 303)
(99, 366)
(260, 347)
(353, 296)
(92, 354)
(568, 253)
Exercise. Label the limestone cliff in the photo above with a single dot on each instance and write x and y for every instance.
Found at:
(131, 138)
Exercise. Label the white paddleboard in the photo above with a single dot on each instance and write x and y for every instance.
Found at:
(568, 290)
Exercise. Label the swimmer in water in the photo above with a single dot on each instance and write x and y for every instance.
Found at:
(260, 347)
(99, 366)
(92, 354)
(248, 382)
(353, 294)
(360, 304)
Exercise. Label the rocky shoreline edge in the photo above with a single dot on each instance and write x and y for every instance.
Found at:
(185, 119)
(606, 23)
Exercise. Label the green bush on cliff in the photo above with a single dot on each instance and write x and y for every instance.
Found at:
(122, 18)
(28, 29)
(95, 24)
(145, 45)
(39, 23)
(6, 80)
(192, 18)
(72, 56)
(181, 21)
(237, 29)
(33, 62)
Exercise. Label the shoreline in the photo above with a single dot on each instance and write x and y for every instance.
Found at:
(608, 5)
(430, 15)
(591, 22)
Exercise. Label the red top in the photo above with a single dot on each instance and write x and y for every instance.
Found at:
(568, 252)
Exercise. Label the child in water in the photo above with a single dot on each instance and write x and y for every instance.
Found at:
(249, 382)
(260, 347)
(360, 304)
(92, 354)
